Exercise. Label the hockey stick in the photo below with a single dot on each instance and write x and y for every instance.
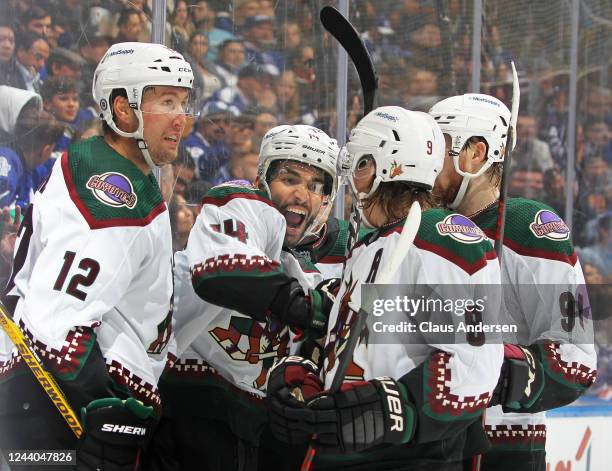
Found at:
(404, 243)
(45, 379)
(348, 37)
(344, 32)
(503, 193)
(510, 142)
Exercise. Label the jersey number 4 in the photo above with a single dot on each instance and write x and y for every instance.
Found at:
(91, 268)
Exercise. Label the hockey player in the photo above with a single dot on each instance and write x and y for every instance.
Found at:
(93, 245)
(540, 270)
(238, 287)
(407, 405)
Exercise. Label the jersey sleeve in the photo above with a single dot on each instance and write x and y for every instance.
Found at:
(547, 293)
(452, 387)
(234, 250)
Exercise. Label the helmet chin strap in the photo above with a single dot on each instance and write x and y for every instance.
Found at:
(142, 145)
(461, 193)
(138, 135)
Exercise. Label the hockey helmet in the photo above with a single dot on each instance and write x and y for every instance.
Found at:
(406, 146)
(133, 67)
(307, 145)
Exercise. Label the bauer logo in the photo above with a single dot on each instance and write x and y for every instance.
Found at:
(548, 224)
(460, 228)
(113, 189)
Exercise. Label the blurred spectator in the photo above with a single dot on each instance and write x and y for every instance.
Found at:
(252, 83)
(207, 81)
(181, 221)
(288, 98)
(9, 72)
(184, 171)
(530, 151)
(208, 144)
(602, 248)
(554, 190)
(241, 134)
(598, 105)
(264, 121)
(290, 36)
(244, 9)
(64, 63)
(239, 167)
(181, 22)
(130, 26)
(35, 135)
(204, 20)
(598, 140)
(422, 85)
(32, 52)
(36, 20)
(526, 182)
(259, 43)
(194, 193)
(93, 44)
(230, 60)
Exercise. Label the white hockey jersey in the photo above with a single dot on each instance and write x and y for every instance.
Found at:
(92, 278)
(449, 383)
(542, 278)
(234, 258)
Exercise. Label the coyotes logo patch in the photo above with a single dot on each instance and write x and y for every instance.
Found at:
(255, 342)
(336, 341)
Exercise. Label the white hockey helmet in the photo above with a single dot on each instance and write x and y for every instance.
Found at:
(405, 145)
(307, 145)
(134, 67)
(473, 115)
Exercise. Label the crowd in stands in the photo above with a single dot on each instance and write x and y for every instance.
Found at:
(258, 63)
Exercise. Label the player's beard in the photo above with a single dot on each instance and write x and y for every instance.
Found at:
(447, 195)
(293, 237)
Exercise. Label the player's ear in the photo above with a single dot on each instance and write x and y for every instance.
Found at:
(480, 152)
(124, 116)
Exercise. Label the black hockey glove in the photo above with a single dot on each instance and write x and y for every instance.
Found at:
(361, 415)
(291, 382)
(306, 312)
(521, 380)
(116, 432)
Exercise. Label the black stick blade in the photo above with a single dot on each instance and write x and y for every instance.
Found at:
(344, 32)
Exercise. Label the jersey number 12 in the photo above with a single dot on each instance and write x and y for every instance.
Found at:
(92, 269)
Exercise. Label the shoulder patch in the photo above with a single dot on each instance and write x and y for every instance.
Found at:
(461, 229)
(532, 229)
(113, 189)
(108, 189)
(455, 238)
(547, 224)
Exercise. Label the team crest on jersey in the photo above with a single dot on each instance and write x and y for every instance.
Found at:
(460, 228)
(254, 342)
(548, 224)
(113, 189)
(396, 170)
(336, 341)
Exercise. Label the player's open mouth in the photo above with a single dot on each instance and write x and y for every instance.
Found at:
(295, 217)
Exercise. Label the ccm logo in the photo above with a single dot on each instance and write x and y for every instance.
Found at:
(129, 430)
(395, 405)
(184, 69)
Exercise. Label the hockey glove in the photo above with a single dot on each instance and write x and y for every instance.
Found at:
(292, 381)
(360, 416)
(521, 380)
(116, 431)
(308, 313)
